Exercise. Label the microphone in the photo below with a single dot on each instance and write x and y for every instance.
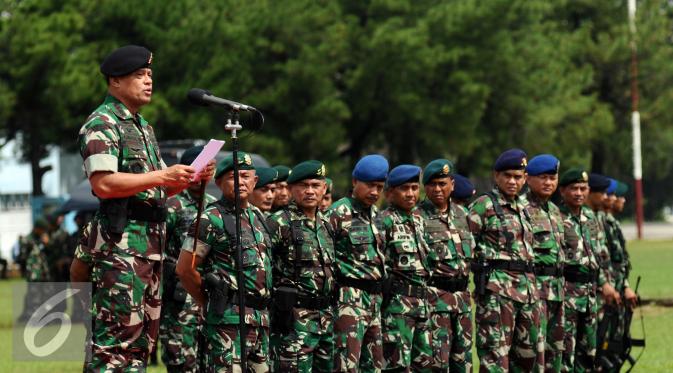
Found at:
(202, 97)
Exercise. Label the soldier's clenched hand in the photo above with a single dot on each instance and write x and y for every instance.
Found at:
(178, 175)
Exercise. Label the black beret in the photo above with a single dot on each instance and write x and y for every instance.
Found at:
(598, 183)
(512, 159)
(126, 60)
(190, 155)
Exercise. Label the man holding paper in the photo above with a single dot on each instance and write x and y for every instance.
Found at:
(122, 257)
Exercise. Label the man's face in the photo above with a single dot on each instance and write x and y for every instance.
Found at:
(619, 204)
(247, 180)
(282, 197)
(574, 194)
(367, 192)
(308, 193)
(543, 185)
(404, 196)
(510, 182)
(135, 88)
(263, 197)
(195, 187)
(609, 202)
(597, 199)
(326, 202)
(438, 190)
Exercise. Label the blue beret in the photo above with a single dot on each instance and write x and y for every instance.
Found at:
(373, 167)
(189, 155)
(403, 173)
(612, 188)
(543, 164)
(462, 187)
(437, 169)
(598, 183)
(512, 159)
(125, 60)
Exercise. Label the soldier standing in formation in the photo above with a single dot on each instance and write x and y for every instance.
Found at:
(327, 198)
(548, 246)
(180, 325)
(264, 193)
(450, 250)
(361, 269)
(282, 196)
(508, 313)
(303, 276)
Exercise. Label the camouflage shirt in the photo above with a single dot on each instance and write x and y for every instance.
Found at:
(492, 243)
(37, 265)
(357, 239)
(182, 209)
(451, 248)
(217, 248)
(114, 140)
(619, 257)
(597, 228)
(580, 251)
(548, 241)
(306, 262)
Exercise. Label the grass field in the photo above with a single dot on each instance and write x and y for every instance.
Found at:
(653, 260)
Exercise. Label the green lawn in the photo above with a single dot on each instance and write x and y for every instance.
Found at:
(653, 260)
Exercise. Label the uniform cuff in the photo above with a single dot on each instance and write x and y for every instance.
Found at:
(100, 162)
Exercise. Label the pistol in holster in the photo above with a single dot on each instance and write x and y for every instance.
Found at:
(217, 291)
(284, 300)
(482, 272)
(173, 289)
(115, 210)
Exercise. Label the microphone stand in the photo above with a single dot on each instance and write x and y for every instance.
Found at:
(240, 278)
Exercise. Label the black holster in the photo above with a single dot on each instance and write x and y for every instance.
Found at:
(115, 210)
(482, 272)
(284, 300)
(217, 291)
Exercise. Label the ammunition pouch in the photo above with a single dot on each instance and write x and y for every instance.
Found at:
(284, 300)
(217, 291)
(119, 210)
(450, 284)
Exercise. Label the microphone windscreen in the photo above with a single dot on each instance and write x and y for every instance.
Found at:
(195, 96)
(256, 121)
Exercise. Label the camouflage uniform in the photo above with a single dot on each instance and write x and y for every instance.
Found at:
(451, 248)
(180, 315)
(582, 274)
(303, 259)
(358, 246)
(126, 264)
(58, 257)
(548, 242)
(406, 332)
(216, 245)
(508, 313)
(37, 265)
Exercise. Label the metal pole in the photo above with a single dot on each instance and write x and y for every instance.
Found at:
(240, 278)
(635, 122)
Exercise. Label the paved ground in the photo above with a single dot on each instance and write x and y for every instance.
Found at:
(651, 231)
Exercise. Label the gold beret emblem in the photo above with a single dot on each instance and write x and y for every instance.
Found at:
(445, 169)
(322, 171)
(585, 177)
(247, 160)
(149, 62)
(524, 162)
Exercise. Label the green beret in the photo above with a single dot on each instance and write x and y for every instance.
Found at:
(265, 176)
(437, 169)
(574, 175)
(283, 172)
(307, 170)
(622, 189)
(329, 183)
(41, 223)
(125, 60)
(227, 164)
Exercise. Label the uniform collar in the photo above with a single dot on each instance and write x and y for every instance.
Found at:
(117, 107)
(536, 201)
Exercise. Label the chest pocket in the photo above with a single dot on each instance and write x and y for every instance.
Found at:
(134, 155)
(543, 238)
(404, 255)
(251, 258)
(361, 239)
(439, 240)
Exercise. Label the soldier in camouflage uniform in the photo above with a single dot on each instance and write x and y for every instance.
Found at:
(327, 198)
(282, 194)
(451, 247)
(217, 256)
(180, 325)
(37, 267)
(406, 311)
(582, 274)
(508, 313)
(265, 189)
(621, 264)
(548, 242)
(361, 269)
(463, 191)
(303, 276)
(124, 251)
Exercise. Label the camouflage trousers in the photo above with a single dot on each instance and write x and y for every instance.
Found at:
(451, 341)
(223, 352)
(357, 331)
(179, 333)
(580, 339)
(310, 346)
(126, 307)
(508, 335)
(406, 343)
(551, 322)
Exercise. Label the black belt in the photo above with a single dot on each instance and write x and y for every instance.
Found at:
(512, 265)
(143, 210)
(408, 290)
(573, 274)
(252, 301)
(548, 270)
(370, 286)
(450, 284)
(313, 302)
